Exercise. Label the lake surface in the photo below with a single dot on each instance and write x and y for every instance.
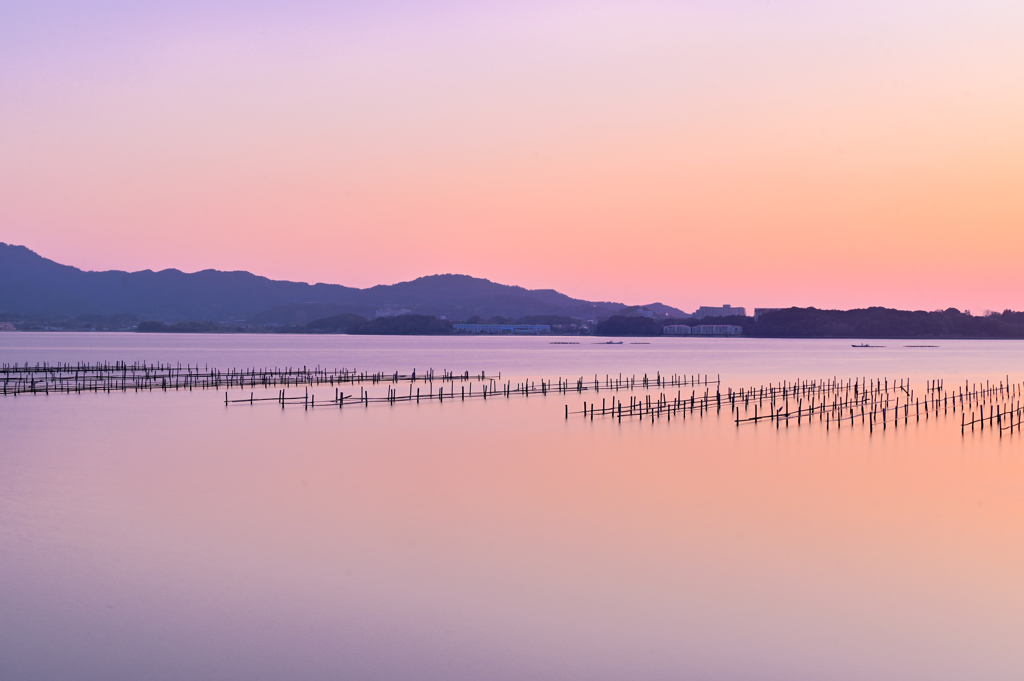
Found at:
(162, 535)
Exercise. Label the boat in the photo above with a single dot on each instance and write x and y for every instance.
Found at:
(865, 345)
(610, 343)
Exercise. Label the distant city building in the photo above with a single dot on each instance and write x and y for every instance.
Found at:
(703, 330)
(716, 330)
(758, 311)
(388, 312)
(724, 311)
(7, 326)
(637, 311)
(502, 328)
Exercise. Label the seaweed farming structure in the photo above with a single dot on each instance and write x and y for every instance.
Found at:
(136, 377)
(81, 378)
(833, 403)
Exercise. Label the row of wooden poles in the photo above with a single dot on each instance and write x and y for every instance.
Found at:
(664, 405)
(124, 377)
(874, 402)
(491, 389)
(881, 409)
(1004, 408)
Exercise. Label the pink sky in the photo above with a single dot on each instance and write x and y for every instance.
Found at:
(761, 154)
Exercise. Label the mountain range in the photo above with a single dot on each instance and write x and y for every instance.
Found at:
(35, 286)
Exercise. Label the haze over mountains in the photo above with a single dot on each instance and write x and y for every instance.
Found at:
(36, 286)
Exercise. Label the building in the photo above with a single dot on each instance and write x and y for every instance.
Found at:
(6, 326)
(724, 311)
(388, 312)
(758, 311)
(519, 329)
(702, 330)
(716, 330)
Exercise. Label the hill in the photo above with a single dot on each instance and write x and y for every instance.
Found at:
(35, 286)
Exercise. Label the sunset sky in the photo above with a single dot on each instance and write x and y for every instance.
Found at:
(838, 154)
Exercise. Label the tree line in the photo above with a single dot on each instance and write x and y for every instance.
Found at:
(810, 322)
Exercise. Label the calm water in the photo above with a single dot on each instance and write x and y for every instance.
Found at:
(164, 536)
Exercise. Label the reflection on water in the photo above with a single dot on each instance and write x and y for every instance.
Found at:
(162, 535)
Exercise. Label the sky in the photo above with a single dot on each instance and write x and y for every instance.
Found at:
(766, 154)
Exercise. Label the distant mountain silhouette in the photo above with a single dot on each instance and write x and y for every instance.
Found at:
(35, 286)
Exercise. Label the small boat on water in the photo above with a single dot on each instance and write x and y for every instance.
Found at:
(610, 343)
(865, 345)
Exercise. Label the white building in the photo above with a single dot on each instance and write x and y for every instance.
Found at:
(716, 330)
(7, 326)
(502, 328)
(677, 330)
(724, 311)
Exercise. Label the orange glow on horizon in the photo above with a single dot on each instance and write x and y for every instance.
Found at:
(763, 157)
